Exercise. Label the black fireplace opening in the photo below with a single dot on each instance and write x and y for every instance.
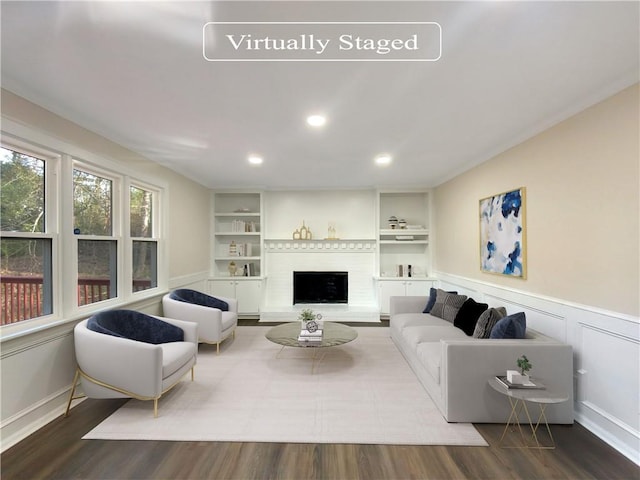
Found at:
(320, 287)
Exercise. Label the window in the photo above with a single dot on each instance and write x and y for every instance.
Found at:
(144, 243)
(25, 249)
(97, 248)
(77, 235)
(92, 202)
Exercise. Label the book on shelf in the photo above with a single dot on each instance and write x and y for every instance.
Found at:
(242, 226)
(245, 249)
(249, 270)
(404, 271)
(240, 249)
(502, 379)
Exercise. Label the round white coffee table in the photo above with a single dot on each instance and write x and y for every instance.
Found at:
(333, 334)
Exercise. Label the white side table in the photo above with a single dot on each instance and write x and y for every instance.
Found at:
(518, 398)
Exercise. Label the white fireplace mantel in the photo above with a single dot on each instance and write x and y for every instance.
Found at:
(320, 246)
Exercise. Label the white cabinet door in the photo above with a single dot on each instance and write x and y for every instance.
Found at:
(400, 288)
(388, 289)
(247, 292)
(249, 295)
(224, 288)
(418, 287)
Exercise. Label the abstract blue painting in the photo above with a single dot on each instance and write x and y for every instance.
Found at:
(502, 233)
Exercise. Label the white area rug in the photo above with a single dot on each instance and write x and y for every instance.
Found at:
(362, 392)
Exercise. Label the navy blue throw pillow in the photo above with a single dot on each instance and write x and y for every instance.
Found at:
(198, 298)
(432, 300)
(512, 326)
(135, 326)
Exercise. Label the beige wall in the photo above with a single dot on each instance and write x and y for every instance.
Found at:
(582, 209)
(189, 203)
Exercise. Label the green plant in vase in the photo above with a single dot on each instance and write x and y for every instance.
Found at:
(521, 376)
(309, 320)
(307, 315)
(524, 365)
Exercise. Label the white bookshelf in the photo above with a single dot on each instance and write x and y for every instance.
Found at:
(237, 233)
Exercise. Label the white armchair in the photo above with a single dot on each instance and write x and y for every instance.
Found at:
(217, 317)
(127, 354)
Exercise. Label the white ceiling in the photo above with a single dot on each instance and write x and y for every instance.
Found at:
(134, 72)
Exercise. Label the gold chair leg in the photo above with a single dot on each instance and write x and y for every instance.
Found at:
(192, 373)
(155, 408)
(218, 348)
(73, 390)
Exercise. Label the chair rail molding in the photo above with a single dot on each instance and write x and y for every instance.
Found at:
(606, 352)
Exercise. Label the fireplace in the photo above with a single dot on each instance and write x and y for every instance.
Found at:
(320, 287)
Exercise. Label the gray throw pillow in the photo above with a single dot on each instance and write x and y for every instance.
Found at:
(487, 321)
(447, 305)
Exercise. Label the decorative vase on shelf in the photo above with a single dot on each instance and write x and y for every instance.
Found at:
(331, 233)
(233, 268)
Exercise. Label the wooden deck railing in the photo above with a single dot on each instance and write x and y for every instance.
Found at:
(22, 297)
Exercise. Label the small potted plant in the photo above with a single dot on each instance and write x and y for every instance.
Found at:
(307, 315)
(309, 320)
(522, 376)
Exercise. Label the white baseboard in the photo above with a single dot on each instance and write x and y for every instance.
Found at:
(330, 312)
(602, 341)
(19, 426)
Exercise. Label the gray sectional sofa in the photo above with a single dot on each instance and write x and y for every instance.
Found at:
(454, 368)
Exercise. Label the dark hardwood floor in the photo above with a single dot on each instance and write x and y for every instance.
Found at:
(57, 451)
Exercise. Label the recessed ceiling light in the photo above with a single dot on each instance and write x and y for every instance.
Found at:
(255, 160)
(316, 120)
(383, 159)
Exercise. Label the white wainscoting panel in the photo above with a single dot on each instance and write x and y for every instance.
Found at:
(606, 348)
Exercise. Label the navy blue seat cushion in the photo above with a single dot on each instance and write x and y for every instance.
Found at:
(193, 296)
(513, 326)
(135, 326)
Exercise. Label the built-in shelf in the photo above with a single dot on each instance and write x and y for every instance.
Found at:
(411, 207)
(403, 231)
(230, 258)
(408, 242)
(238, 214)
(234, 214)
(238, 234)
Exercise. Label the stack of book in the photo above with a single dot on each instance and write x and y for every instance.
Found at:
(242, 226)
(310, 338)
(502, 379)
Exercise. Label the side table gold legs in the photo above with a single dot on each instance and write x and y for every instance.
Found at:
(517, 406)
